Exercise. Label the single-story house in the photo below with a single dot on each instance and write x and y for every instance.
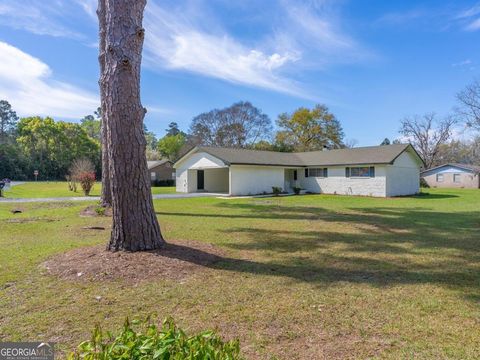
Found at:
(453, 176)
(389, 170)
(161, 170)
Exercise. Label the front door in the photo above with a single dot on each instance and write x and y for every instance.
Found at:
(200, 180)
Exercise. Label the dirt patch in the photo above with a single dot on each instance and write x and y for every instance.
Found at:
(96, 210)
(177, 261)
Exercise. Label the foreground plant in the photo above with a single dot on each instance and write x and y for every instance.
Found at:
(150, 342)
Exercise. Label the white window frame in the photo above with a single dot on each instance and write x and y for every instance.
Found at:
(313, 172)
(367, 174)
(455, 176)
(440, 177)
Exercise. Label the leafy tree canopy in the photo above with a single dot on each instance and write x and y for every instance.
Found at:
(309, 129)
(8, 120)
(237, 126)
(170, 145)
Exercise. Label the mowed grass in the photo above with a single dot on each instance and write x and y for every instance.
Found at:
(50, 189)
(305, 277)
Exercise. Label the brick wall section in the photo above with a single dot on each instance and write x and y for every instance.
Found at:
(467, 180)
(162, 172)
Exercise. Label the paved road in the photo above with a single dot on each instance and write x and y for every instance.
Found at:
(97, 198)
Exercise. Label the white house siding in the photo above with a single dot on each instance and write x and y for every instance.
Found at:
(186, 170)
(216, 180)
(251, 180)
(337, 183)
(403, 177)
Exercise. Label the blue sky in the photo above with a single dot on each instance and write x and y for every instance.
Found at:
(372, 62)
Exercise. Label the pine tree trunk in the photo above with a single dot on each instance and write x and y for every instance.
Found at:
(106, 196)
(135, 226)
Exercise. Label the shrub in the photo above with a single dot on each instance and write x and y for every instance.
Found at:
(100, 210)
(276, 190)
(150, 342)
(78, 169)
(297, 190)
(86, 180)
(169, 182)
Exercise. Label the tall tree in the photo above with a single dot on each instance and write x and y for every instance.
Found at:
(239, 126)
(106, 195)
(386, 141)
(309, 129)
(469, 100)
(170, 145)
(427, 134)
(135, 225)
(173, 130)
(8, 120)
(460, 151)
(92, 126)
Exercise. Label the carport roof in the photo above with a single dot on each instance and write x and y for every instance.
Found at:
(385, 154)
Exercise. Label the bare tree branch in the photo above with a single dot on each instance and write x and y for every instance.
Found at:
(469, 108)
(427, 134)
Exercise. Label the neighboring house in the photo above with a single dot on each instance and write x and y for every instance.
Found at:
(390, 170)
(453, 176)
(161, 170)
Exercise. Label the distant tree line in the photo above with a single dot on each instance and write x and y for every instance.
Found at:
(45, 145)
(50, 146)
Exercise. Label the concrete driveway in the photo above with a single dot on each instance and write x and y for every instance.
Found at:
(97, 198)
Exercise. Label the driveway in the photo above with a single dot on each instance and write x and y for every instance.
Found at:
(97, 198)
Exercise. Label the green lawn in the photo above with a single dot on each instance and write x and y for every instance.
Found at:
(306, 277)
(60, 189)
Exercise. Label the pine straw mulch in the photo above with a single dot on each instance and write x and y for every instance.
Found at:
(176, 261)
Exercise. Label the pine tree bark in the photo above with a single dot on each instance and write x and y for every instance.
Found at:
(135, 226)
(106, 195)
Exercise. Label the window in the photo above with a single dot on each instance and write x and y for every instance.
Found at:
(317, 172)
(439, 177)
(361, 171)
(153, 176)
(456, 178)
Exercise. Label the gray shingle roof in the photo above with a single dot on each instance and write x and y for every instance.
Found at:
(473, 168)
(154, 164)
(356, 156)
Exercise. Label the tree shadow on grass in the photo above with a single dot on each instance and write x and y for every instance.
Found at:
(380, 246)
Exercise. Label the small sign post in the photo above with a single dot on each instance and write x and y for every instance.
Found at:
(35, 172)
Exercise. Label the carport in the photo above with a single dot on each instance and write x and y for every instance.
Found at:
(214, 180)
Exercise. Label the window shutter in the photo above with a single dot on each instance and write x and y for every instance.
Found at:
(306, 172)
(295, 175)
(372, 171)
(325, 172)
(347, 172)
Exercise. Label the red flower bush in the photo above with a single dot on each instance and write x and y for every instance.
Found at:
(86, 180)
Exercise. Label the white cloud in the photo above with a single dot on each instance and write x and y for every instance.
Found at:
(174, 42)
(293, 37)
(27, 83)
(89, 6)
(462, 63)
(57, 18)
(474, 25)
(470, 18)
